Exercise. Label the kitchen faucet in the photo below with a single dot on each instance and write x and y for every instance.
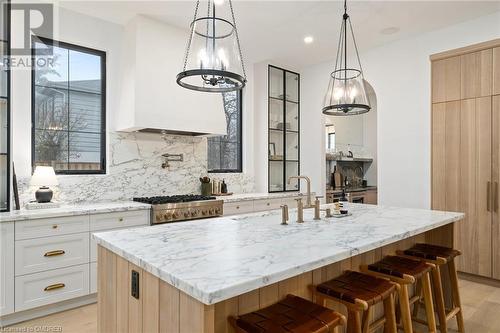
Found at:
(308, 180)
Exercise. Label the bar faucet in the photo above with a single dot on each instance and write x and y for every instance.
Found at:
(308, 180)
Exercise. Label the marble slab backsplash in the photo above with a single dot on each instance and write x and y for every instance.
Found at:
(134, 169)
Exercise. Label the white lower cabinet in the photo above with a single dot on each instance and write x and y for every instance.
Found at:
(42, 254)
(52, 286)
(240, 207)
(93, 277)
(6, 268)
(266, 204)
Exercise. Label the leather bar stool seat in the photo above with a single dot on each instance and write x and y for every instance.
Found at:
(440, 257)
(292, 314)
(359, 293)
(405, 272)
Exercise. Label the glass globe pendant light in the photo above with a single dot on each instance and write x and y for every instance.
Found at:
(346, 94)
(213, 60)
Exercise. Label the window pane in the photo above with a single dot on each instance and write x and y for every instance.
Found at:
(68, 110)
(51, 148)
(51, 108)
(84, 72)
(84, 111)
(224, 152)
(55, 75)
(84, 151)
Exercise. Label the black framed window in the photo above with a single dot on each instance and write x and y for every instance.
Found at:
(225, 152)
(68, 107)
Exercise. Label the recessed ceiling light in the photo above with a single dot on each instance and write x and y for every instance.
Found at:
(308, 39)
(389, 31)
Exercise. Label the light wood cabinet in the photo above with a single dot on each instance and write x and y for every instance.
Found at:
(446, 80)
(466, 151)
(496, 71)
(476, 78)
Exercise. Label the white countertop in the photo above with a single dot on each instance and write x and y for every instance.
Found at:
(215, 259)
(71, 210)
(260, 196)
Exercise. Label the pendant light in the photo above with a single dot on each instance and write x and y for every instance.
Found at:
(346, 93)
(213, 60)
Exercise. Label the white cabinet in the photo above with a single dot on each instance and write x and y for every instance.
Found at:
(42, 254)
(93, 277)
(108, 221)
(52, 286)
(51, 227)
(6, 268)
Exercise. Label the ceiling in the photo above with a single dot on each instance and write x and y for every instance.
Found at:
(276, 29)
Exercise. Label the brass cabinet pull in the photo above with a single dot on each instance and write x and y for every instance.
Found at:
(495, 203)
(120, 219)
(54, 286)
(488, 199)
(54, 226)
(54, 253)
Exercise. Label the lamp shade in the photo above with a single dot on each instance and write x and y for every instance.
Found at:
(44, 176)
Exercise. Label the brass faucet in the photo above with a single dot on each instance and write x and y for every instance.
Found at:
(308, 180)
(300, 210)
(317, 210)
(284, 214)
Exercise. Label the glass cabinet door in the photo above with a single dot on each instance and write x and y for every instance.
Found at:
(284, 128)
(4, 107)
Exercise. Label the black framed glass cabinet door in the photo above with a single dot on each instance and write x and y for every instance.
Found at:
(4, 106)
(283, 129)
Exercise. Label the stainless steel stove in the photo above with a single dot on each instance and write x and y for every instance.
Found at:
(178, 208)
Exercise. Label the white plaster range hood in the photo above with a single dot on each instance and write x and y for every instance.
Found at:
(151, 100)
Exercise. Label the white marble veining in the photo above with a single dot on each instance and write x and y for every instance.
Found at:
(134, 170)
(260, 196)
(216, 259)
(72, 210)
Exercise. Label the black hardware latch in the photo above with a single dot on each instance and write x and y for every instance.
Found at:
(135, 284)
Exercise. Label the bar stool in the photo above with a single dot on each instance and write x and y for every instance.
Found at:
(360, 293)
(405, 272)
(292, 314)
(439, 256)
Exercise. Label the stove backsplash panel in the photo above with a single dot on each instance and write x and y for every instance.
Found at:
(134, 170)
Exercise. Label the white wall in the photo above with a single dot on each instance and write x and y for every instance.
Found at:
(400, 75)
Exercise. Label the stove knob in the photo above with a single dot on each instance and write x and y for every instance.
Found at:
(186, 214)
(175, 215)
(167, 216)
(194, 213)
(211, 211)
(204, 212)
(217, 211)
(158, 217)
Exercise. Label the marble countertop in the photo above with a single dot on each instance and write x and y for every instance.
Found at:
(215, 259)
(259, 196)
(71, 210)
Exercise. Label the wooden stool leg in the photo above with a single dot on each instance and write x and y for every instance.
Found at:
(429, 307)
(390, 315)
(438, 295)
(405, 308)
(418, 292)
(353, 321)
(367, 316)
(456, 295)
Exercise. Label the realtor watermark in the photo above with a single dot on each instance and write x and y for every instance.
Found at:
(36, 328)
(29, 21)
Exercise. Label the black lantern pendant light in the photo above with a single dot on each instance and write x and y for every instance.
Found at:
(346, 93)
(213, 61)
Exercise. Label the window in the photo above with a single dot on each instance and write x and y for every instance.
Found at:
(224, 152)
(68, 108)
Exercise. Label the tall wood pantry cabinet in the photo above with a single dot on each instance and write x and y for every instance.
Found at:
(466, 151)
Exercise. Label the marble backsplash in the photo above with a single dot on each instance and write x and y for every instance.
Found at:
(134, 169)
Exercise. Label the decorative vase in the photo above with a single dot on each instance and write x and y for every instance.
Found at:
(43, 194)
(206, 189)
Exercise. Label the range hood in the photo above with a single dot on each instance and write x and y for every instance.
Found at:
(151, 100)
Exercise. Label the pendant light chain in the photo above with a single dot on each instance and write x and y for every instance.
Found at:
(190, 39)
(356, 48)
(238, 39)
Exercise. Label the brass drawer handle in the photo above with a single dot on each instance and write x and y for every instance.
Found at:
(237, 207)
(269, 204)
(54, 253)
(54, 226)
(120, 219)
(488, 198)
(54, 286)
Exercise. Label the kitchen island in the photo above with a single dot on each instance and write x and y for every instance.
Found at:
(190, 276)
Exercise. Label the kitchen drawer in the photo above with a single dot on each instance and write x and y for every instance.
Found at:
(100, 222)
(93, 277)
(267, 204)
(52, 286)
(41, 254)
(51, 227)
(239, 207)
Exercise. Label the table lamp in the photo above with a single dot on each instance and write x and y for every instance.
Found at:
(44, 176)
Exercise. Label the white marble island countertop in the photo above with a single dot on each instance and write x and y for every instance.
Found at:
(215, 259)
